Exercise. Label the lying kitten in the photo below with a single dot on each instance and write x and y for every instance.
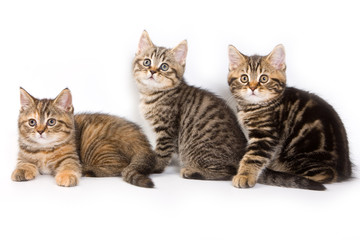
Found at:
(52, 140)
(187, 120)
(296, 139)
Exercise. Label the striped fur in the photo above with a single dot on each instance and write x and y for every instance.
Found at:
(295, 138)
(66, 146)
(188, 121)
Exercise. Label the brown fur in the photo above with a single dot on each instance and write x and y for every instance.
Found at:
(295, 138)
(188, 121)
(96, 144)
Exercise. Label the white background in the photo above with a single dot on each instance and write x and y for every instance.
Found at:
(88, 46)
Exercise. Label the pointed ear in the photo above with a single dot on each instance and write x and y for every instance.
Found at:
(26, 100)
(64, 100)
(180, 52)
(235, 58)
(144, 42)
(277, 57)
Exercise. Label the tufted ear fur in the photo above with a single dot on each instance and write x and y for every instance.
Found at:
(277, 57)
(235, 58)
(144, 42)
(64, 101)
(180, 52)
(26, 100)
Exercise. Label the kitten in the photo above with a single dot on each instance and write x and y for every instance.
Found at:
(295, 138)
(188, 121)
(52, 140)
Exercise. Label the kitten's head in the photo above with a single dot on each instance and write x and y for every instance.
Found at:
(44, 123)
(158, 68)
(257, 79)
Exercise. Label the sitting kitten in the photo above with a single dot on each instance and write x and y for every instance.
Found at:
(187, 120)
(295, 138)
(53, 140)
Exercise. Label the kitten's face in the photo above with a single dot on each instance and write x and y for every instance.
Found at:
(46, 122)
(257, 79)
(157, 68)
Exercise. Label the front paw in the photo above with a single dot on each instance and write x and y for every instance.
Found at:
(19, 175)
(67, 178)
(244, 181)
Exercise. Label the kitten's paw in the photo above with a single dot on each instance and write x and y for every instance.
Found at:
(190, 174)
(67, 178)
(23, 175)
(243, 181)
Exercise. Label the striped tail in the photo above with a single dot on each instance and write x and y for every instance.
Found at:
(133, 176)
(281, 179)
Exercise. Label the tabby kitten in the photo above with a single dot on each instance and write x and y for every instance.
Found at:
(295, 138)
(188, 121)
(53, 140)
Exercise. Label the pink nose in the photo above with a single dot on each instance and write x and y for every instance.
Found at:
(152, 72)
(253, 88)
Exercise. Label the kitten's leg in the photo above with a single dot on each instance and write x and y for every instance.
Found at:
(258, 153)
(68, 173)
(165, 147)
(314, 166)
(208, 169)
(223, 173)
(105, 163)
(24, 171)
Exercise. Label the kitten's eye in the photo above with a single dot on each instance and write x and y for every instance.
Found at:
(147, 62)
(264, 78)
(244, 78)
(32, 122)
(51, 122)
(164, 67)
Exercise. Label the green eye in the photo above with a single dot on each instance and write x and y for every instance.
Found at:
(147, 62)
(164, 67)
(51, 122)
(244, 78)
(264, 78)
(32, 122)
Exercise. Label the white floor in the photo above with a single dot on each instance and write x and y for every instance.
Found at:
(109, 208)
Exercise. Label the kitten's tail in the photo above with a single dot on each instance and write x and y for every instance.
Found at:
(133, 176)
(281, 179)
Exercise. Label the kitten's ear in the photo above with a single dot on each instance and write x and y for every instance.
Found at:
(26, 100)
(180, 52)
(64, 100)
(236, 58)
(144, 42)
(277, 57)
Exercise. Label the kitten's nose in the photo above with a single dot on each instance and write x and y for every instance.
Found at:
(40, 131)
(152, 72)
(253, 88)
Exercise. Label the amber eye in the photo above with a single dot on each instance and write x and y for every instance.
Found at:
(32, 122)
(51, 122)
(147, 62)
(164, 67)
(244, 78)
(264, 78)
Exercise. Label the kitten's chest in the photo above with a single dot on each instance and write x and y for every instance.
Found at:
(43, 163)
(153, 108)
(242, 116)
(41, 160)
